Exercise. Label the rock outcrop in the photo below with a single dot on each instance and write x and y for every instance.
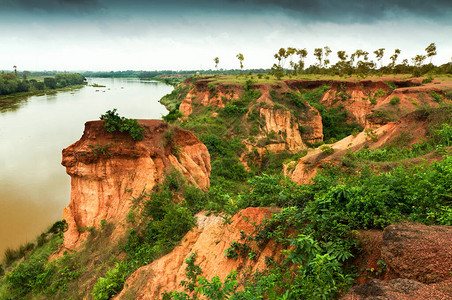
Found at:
(109, 169)
(280, 128)
(294, 127)
(413, 127)
(418, 252)
(417, 263)
(399, 289)
(200, 93)
(209, 240)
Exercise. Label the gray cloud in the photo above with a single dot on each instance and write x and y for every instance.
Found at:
(343, 12)
(49, 6)
(363, 11)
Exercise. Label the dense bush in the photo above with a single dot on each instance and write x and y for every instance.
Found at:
(34, 274)
(394, 100)
(172, 116)
(272, 190)
(113, 122)
(334, 119)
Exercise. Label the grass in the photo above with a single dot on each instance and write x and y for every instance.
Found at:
(73, 274)
(267, 78)
(20, 277)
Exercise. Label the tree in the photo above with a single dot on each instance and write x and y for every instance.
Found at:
(318, 52)
(289, 53)
(343, 66)
(394, 57)
(418, 60)
(15, 70)
(278, 69)
(240, 58)
(342, 55)
(379, 54)
(326, 61)
(26, 75)
(50, 82)
(431, 51)
(302, 53)
(216, 61)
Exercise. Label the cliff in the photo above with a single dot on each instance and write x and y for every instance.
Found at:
(412, 127)
(209, 240)
(109, 169)
(404, 113)
(293, 114)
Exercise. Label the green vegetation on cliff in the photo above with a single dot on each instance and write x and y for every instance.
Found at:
(316, 226)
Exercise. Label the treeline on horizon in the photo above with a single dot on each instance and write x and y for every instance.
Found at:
(11, 83)
(357, 63)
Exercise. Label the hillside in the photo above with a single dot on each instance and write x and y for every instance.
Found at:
(258, 189)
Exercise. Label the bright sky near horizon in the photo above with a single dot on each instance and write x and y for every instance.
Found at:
(185, 35)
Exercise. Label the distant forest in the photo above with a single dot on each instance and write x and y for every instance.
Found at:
(11, 83)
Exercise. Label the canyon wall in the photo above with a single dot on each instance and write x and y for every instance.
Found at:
(209, 240)
(108, 170)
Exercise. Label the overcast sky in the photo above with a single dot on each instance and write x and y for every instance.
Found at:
(186, 35)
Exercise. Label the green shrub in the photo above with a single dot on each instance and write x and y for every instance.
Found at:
(444, 135)
(333, 119)
(172, 116)
(427, 80)
(229, 168)
(391, 86)
(326, 149)
(113, 281)
(33, 273)
(23, 279)
(295, 98)
(248, 84)
(113, 122)
(231, 110)
(271, 190)
(435, 96)
(101, 150)
(199, 285)
(379, 93)
(394, 100)
(448, 95)
(342, 93)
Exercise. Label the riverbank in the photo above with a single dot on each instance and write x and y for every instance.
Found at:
(41, 92)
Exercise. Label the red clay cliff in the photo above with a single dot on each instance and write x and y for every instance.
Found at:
(109, 169)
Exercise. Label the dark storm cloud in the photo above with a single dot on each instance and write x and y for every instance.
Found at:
(363, 11)
(49, 6)
(337, 11)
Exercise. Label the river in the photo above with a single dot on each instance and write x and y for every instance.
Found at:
(34, 187)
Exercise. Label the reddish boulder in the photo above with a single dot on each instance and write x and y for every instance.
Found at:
(418, 252)
(398, 289)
